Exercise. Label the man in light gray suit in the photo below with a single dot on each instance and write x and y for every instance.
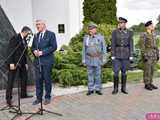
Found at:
(93, 56)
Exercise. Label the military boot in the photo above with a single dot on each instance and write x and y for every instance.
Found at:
(148, 87)
(116, 82)
(123, 88)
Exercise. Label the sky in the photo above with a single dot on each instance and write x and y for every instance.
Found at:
(136, 11)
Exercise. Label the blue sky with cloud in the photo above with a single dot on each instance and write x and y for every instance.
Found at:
(137, 11)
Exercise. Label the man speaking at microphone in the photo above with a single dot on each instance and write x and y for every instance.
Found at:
(43, 46)
(18, 61)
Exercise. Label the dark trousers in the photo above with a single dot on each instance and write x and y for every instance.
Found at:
(44, 75)
(22, 72)
(120, 65)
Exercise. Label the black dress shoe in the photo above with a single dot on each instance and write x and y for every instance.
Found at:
(153, 86)
(123, 91)
(27, 96)
(47, 101)
(114, 92)
(99, 93)
(89, 93)
(36, 102)
(148, 87)
(9, 103)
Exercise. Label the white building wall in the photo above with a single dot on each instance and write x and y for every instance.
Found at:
(54, 12)
(75, 16)
(19, 12)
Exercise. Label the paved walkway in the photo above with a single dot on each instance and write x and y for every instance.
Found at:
(107, 107)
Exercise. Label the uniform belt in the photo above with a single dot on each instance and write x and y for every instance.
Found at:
(121, 46)
(94, 55)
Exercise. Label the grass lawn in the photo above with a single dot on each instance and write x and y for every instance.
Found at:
(138, 75)
(135, 75)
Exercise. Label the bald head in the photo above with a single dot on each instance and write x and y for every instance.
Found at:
(40, 25)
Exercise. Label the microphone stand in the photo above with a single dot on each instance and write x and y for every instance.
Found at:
(3, 63)
(18, 111)
(41, 109)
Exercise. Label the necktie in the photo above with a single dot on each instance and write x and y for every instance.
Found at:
(23, 41)
(40, 37)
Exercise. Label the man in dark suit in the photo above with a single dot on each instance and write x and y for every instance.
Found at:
(43, 47)
(122, 54)
(17, 48)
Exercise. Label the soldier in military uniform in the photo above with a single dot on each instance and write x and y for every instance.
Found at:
(122, 54)
(93, 56)
(150, 54)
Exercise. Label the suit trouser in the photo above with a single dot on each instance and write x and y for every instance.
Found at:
(45, 76)
(94, 78)
(148, 72)
(22, 72)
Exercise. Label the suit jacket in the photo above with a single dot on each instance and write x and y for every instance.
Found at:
(16, 49)
(122, 44)
(47, 45)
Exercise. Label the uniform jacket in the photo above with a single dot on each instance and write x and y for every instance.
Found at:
(149, 48)
(94, 50)
(122, 44)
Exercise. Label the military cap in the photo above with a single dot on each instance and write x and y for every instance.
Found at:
(92, 25)
(148, 23)
(121, 19)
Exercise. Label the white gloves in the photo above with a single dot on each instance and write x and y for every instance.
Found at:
(131, 58)
(83, 61)
(113, 58)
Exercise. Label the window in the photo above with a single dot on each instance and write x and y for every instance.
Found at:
(61, 28)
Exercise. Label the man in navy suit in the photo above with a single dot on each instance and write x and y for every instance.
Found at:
(43, 47)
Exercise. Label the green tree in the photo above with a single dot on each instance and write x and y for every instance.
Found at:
(138, 28)
(100, 11)
(158, 25)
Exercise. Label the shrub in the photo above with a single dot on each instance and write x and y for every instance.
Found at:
(106, 75)
(72, 77)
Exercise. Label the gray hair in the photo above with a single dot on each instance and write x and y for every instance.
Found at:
(41, 21)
